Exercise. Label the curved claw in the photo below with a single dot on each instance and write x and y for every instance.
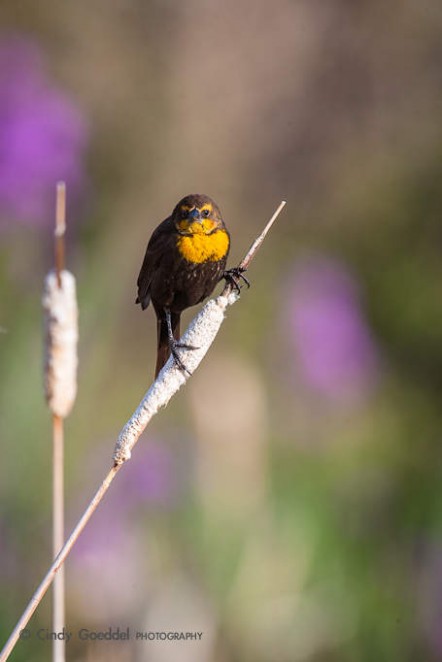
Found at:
(177, 359)
(174, 344)
(234, 276)
(182, 345)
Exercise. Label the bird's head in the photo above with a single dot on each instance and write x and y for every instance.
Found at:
(197, 214)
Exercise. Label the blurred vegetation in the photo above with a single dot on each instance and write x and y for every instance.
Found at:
(287, 503)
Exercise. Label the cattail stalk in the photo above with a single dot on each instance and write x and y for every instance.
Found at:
(61, 322)
(201, 333)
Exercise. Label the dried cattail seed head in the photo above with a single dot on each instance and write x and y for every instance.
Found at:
(61, 336)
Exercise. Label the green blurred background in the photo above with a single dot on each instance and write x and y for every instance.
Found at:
(287, 503)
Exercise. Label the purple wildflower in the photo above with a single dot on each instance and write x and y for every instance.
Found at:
(43, 136)
(335, 351)
(102, 553)
(110, 549)
(153, 478)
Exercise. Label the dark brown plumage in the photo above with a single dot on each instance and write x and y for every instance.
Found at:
(185, 258)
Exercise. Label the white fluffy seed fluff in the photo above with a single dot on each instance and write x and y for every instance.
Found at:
(199, 335)
(61, 336)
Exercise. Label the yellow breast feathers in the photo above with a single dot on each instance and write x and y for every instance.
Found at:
(201, 247)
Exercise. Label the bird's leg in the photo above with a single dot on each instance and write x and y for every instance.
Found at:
(234, 277)
(174, 344)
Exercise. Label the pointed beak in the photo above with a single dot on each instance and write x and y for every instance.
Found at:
(195, 215)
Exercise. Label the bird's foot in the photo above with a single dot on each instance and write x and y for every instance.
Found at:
(174, 344)
(234, 277)
(174, 347)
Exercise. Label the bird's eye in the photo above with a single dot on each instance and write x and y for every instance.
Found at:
(206, 212)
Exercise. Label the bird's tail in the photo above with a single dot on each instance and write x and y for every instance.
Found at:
(163, 351)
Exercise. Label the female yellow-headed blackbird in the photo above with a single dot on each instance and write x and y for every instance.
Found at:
(185, 258)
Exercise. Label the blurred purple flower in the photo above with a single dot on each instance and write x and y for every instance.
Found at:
(335, 351)
(111, 548)
(43, 136)
(152, 478)
(103, 551)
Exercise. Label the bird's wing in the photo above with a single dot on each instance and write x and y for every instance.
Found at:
(152, 258)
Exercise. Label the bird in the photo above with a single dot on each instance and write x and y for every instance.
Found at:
(185, 258)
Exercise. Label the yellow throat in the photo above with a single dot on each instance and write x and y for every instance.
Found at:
(202, 244)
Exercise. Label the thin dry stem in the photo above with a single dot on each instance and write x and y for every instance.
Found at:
(60, 229)
(56, 565)
(134, 427)
(58, 596)
(245, 262)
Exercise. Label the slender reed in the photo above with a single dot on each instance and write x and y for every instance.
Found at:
(200, 334)
(59, 302)
(58, 595)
